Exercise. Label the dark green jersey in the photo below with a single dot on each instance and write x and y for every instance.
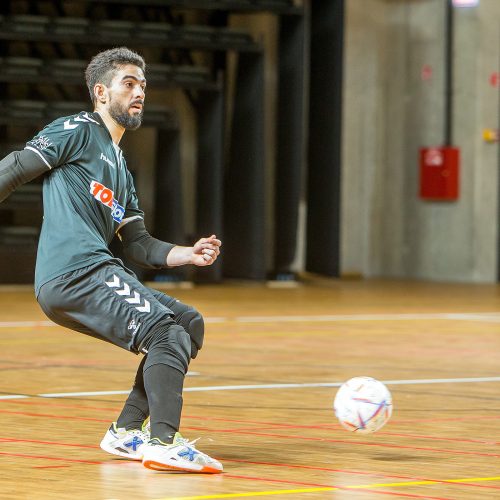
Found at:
(87, 194)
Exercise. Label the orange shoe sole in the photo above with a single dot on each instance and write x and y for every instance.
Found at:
(151, 464)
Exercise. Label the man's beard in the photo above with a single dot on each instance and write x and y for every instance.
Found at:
(121, 116)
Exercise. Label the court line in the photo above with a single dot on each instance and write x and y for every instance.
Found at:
(44, 457)
(328, 488)
(328, 426)
(414, 480)
(299, 491)
(276, 435)
(366, 487)
(283, 465)
(25, 324)
(50, 443)
(280, 436)
(488, 317)
(259, 386)
(460, 482)
(345, 441)
(293, 466)
(47, 415)
(49, 466)
(264, 425)
(335, 428)
(253, 494)
(494, 317)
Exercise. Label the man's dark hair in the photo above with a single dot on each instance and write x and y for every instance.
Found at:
(103, 66)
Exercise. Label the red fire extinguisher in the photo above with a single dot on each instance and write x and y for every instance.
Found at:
(439, 173)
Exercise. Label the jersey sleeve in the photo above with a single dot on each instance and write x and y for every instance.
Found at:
(132, 209)
(60, 142)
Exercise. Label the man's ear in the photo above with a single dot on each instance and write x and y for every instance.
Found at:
(100, 93)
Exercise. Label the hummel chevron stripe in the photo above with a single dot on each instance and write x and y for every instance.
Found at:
(115, 283)
(145, 308)
(136, 299)
(126, 293)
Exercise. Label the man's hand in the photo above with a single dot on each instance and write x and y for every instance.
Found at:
(206, 251)
(203, 253)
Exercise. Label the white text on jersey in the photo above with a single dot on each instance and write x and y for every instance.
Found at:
(107, 160)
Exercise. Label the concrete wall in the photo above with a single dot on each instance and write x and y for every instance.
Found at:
(390, 111)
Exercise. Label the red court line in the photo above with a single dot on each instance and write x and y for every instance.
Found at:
(352, 443)
(330, 427)
(337, 428)
(115, 461)
(445, 419)
(360, 473)
(49, 466)
(282, 481)
(379, 433)
(45, 415)
(44, 457)
(52, 443)
(292, 466)
(343, 441)
(333, 426)
(393, 421)
(47, 402)
(438, 438)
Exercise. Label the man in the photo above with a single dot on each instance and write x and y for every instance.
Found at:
(89, 196)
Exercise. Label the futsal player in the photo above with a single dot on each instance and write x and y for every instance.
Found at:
(88, 197)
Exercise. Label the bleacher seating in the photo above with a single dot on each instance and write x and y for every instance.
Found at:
(79, 30)
(45, 47)
(277, 6)
(70, 72)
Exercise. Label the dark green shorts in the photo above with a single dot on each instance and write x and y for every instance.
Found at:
(109, 303)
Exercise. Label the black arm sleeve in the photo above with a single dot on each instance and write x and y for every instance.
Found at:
(17, 168)
(141, 248)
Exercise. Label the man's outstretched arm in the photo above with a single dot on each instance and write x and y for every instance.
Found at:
(18, 168)
(203, 253)
(144, 250)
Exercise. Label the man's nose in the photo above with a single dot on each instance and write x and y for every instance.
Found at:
(139, 92)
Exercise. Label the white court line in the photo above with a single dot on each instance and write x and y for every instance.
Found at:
(493, 317)
(488, 317)
(27, 324)
(264, 386)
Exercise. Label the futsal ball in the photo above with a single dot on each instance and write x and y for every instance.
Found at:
(363, 405)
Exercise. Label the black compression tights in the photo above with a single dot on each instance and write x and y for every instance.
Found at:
(158, 385)
(136, 408)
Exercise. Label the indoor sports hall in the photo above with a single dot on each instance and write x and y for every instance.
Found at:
(346, 154)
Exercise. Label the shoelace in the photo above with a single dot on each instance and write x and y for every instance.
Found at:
(191, 444)
(186, 442)
(141, 434)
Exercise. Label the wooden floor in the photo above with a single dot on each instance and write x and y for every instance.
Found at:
(260, 396)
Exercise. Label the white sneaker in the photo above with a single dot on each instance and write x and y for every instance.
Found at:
(128, 444)
(180, 455)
